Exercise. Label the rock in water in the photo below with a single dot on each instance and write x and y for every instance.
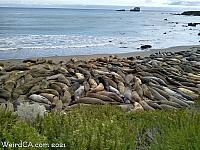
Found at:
(145, 47)
(191, 13)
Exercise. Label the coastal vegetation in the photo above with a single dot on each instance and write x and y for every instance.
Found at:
(105, 127)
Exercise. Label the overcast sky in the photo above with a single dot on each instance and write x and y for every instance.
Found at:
(104, 2)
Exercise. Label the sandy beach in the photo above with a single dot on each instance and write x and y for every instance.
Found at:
(142, 53)
(99, 74)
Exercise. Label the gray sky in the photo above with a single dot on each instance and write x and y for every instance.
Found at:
(103, 2)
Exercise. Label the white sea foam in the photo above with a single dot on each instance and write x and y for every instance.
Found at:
(18, 42)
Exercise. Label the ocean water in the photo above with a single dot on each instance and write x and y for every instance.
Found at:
(33, 32)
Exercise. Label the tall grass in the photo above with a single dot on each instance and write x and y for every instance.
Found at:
(107, 127)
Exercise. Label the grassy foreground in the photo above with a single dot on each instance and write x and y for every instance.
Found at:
(105, 127)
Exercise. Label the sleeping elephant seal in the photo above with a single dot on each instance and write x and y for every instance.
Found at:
(136, 97)
(100, 96)
(111, 95)
(146, 106)
(147, 92)
(79, 92)
(121, 87)
(128, 96)
(39, 98)
(89, 100)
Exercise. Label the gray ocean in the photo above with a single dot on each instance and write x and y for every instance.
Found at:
(41, 32)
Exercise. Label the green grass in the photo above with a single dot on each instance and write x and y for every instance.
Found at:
(108, 128)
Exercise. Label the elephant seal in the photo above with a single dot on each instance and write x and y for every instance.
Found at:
(188, 84)
(93, 83)
(121, 87)
(153, 104)
(161, 92)
(85, 72)
(145, 105)
(9, 85)
(63, 70)
(104, 81)
(160, 81)
(55, 87)
(80, 76)
(86, 85)
(138, 89)
(28, 77)
(44, 84)
(197, 77)
(129, 78)
(50, 97)
(146, 91)
(189, 92)
(137, 80)
(16, 67)
(111, 95)
(137, 107)
(63, 86)
(128, 96)
(173, 82)
(100, 96)
(193, 89)
(75, 86)
(89, 100)
(79, 92)
(111, 82)
(182, 95)
(100, 87)
(180, 102)
(170, 103)
(167, 107)
(39, 98)
(136, 97)
(1, 68)
(58, 105)
(156, 95)
(66, 99)
(64, 80)
(112, 89)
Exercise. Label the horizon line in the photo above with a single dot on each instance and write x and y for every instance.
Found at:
(84, 6)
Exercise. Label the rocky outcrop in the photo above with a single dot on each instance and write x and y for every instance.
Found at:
(135, 9)
(145, 46)
(193, 24)
(191, 13)
(121, 10)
